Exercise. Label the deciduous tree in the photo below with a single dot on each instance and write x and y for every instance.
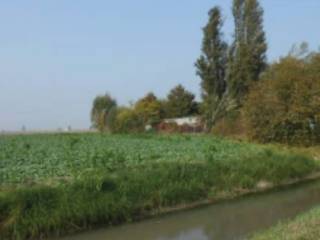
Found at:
(149, 109)
(211, 66)
(180, 103)
(285, 105)
(101, 107)
(247, 55)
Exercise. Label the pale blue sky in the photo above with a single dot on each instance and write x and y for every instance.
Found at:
(56, 55)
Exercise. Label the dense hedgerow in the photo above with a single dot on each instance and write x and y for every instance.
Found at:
(284, 105)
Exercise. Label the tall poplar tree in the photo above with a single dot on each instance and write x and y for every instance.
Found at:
(255, 38)
(211, 66)
(247, 55)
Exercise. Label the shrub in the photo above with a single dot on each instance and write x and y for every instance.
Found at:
(128, 121)
(231, 125)
(285, 105)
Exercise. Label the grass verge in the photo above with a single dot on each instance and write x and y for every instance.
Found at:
(305, 226)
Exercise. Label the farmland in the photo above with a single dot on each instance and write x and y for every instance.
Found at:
(57, 183)
(38, 158)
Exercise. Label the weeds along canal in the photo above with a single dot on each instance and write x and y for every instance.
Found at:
(229, 220)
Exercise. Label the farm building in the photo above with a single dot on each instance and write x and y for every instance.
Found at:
(190, 121)
(184, 124)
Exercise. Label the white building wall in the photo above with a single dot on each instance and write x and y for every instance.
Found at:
(185, 120)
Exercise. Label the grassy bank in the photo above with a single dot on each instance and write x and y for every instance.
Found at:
(54, 184)
(305, 226)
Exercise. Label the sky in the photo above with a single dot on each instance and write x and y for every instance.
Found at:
(57, 55)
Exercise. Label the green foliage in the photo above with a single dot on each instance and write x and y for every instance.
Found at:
(127, 120)
(247, 55)
(211, 66)
(148, 109)
(284, 106)
(230, 125)
(228, 73)
(180, 103)
(53, 184)
(111, 118)
(101, 107)
(29, 160)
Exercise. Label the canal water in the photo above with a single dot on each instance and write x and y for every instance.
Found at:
(230, 220)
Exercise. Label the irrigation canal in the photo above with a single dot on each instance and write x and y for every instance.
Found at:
(230, 220)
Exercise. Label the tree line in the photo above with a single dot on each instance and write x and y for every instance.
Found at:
(106, 115)
(240, 90)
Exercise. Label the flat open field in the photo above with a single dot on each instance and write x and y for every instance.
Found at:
(51, 184)
(31, 159)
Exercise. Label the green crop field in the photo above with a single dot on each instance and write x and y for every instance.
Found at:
(52, 184)
(39, 158)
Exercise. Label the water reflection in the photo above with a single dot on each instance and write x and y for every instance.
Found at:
(231, 220)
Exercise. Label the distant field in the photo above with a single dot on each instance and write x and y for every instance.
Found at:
(58, 183)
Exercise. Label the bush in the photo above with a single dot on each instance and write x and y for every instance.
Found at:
(231, 125)
(285, 105)
(145, 112)
(127, 121)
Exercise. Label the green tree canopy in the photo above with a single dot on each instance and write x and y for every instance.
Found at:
(101, 107)
(148, 109)
(211, 66)
(285, 105)
(247, 55)
(127, 120)
(180, 103)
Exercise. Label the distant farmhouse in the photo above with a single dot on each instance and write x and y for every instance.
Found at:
(184, 124)
(191, 121)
